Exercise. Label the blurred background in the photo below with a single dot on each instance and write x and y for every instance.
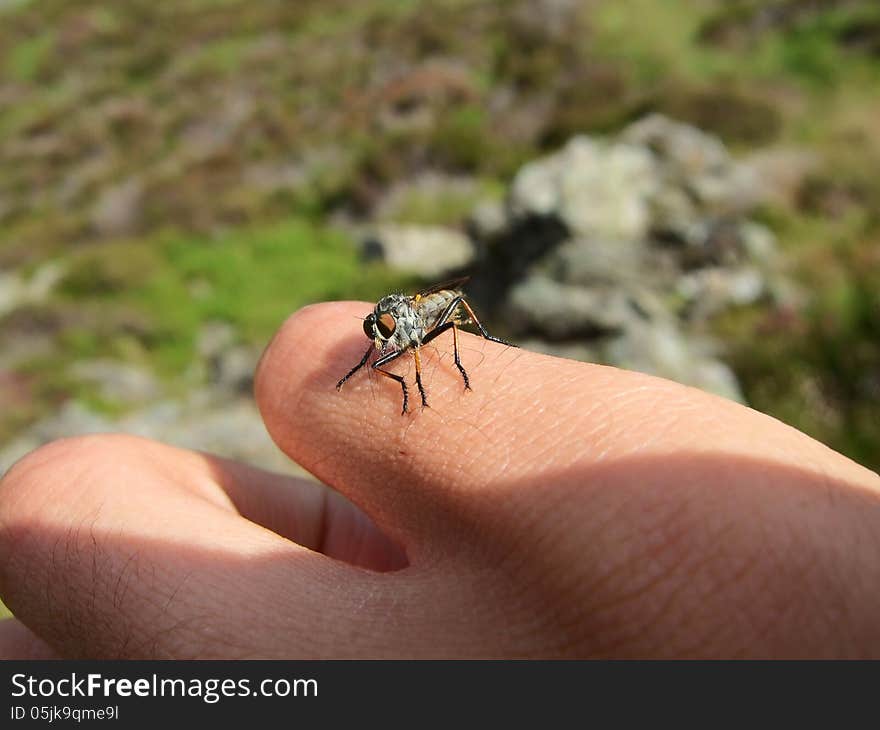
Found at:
(686, 187)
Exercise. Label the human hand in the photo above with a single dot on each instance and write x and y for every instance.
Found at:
(559, 509)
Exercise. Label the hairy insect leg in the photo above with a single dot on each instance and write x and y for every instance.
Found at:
(436, 332)
(356, 367)
(418, 360)
(480, 327)
(460, 301)
(384, 360)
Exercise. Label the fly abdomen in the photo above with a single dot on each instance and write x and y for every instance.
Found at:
(432, 306)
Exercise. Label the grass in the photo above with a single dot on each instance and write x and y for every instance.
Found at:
(24, 60)
(251, 278)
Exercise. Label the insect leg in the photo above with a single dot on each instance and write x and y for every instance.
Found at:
(480, 326)
(377, 366)
(449, 311)
(356, 367)
(436, 332)
(418, 360)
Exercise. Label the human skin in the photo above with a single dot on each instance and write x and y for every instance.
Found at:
(559, 509)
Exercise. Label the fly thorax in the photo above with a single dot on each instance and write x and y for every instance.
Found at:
(409, 331)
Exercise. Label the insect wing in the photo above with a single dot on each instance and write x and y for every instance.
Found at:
(449, 285)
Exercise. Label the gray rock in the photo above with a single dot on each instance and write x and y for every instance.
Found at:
(231, 428)
(596, 188)
(426, 251)
(559, 311)
(227, 364)
(117, 382)
(208, 420)
(235, 369)
(710, 291)
(73, 418)
(214, 338)
(592, 261)
(697, 162)
(569, 350)
(685, 149)
(758, 242)
(660, 348)
(651, 239)
(487, 220)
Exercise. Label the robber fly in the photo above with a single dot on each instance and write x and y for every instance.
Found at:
(400, 323)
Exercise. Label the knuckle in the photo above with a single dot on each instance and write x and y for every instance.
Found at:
(47, 474)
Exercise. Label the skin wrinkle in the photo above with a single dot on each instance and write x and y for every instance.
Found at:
(632, 572)
(801, 571)
(783, 610)
(822, 588)
(639, 560)
(713, 585)
(600, 422)
(700, 571)
(549, 626)
(536, 458)
(563, 583)
(633, 628)
(662, 424)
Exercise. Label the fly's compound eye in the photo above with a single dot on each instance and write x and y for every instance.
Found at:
(386, 324)
(369, 323)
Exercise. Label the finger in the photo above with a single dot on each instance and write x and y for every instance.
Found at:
(116, 546)
(528, 414)
(304, 511)
(17, 641)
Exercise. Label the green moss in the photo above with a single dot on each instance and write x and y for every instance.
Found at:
(24, 60)
(445, 206)
(157, 292)
(462, 139)
(218, 56)
(110, 269)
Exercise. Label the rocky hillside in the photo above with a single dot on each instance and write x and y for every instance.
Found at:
(617, 250)
(687, 188)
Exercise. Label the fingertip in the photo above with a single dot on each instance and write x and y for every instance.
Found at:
(306, 337)
(308, 355)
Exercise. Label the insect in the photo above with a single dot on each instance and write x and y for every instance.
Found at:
(401, 323)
